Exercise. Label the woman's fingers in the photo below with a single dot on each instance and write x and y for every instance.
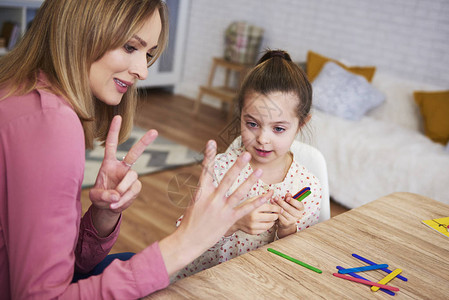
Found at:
(206, 177)
(110, 148)
(137, 149)
(103, 198)
(127, 198)
(247, 207)
(232, 175)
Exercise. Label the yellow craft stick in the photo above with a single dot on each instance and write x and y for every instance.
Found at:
(387, 279)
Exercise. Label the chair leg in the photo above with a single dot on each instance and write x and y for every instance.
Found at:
(198, 103)
(231, 111)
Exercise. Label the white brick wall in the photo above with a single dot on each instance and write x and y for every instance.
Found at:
(409, 38)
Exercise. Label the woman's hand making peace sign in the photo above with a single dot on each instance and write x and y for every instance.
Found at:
(117, 185)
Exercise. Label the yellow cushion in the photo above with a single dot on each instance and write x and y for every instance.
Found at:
(315, 63)
(434, 107)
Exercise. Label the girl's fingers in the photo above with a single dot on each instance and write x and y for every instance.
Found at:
(110, 148)
(136, 150)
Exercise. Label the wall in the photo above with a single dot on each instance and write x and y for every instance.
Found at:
(409, 38)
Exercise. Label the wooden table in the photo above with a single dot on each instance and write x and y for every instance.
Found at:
(387, 230)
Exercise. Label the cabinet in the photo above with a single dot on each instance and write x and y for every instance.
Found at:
(18, 12)
(165, 71)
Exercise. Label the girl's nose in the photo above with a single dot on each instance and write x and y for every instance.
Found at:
(263, 137)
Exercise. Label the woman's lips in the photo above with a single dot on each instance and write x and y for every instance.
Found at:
(122, 86)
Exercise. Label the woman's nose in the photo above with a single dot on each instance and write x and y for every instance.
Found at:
(139, 67)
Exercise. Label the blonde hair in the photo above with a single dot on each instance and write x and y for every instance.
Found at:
(64, 39)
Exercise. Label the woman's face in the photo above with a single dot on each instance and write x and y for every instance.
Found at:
(112, 74)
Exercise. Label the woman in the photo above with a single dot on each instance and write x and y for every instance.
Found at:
(71, 80)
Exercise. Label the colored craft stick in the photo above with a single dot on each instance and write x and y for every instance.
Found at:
(298, 194)
(362, 269)
(304, 196)
(295, 260)
(360, 277)
(367, 282)
(372, 263)
(386, 279)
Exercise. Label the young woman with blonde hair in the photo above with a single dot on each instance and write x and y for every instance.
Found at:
(69, 81)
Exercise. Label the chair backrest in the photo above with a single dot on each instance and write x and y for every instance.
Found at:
(314, 161)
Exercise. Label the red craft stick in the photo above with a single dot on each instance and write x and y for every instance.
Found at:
(367, 282)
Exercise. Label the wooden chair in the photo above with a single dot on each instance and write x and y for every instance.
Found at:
(226, 93)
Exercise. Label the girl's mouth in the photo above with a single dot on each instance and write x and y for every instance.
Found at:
(263, 153)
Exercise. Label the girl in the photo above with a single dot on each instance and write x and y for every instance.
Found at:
(274, 103)
(61, 87)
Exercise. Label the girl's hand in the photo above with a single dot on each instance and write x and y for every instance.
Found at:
(116, 185)
(291, 212)
(210, 214)
(258, 221)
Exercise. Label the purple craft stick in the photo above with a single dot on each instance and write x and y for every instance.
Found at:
(360, 277)
(383, 269)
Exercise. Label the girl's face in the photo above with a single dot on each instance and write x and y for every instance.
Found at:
(269, 125)
(118, 69)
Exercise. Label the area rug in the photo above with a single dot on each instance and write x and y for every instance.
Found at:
(162, 154)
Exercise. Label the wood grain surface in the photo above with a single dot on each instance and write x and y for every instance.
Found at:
(387, 230)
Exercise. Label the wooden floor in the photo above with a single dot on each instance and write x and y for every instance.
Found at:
(154, 213)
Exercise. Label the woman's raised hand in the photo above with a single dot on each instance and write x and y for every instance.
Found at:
(211, 213)
(117, 185)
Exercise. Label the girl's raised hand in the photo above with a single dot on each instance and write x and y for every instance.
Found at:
(292, 210)
(117, 185)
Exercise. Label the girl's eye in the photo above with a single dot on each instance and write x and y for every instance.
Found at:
(129, 48)
(279, 129)
(251, 124)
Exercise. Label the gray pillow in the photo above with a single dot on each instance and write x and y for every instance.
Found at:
(344, 94)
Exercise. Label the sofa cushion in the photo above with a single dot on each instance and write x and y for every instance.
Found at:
(434, 107)
(315, 63)
(344, 94)
(399, 107)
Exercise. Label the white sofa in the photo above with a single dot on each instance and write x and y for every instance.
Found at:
(384, 152)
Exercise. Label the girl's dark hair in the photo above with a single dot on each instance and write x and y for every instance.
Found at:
(276, 72)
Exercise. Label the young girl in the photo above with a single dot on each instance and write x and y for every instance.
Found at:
(274, 103)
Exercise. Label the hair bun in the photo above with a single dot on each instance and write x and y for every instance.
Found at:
(274, 53)
(279, 53)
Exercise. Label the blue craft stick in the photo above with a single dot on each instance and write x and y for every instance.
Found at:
(363, 269)
(301, 192)
(360, 277)
(372, 263)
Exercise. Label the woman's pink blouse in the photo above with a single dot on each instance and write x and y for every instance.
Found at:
(43, 238)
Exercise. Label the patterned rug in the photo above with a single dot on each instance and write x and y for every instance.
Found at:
(162, 154)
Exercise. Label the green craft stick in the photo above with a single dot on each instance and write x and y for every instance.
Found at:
(304, 196)
(295, 260)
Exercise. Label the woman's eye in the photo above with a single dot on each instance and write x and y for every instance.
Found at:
(129, 48)
(149, 57)
(279, 129)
